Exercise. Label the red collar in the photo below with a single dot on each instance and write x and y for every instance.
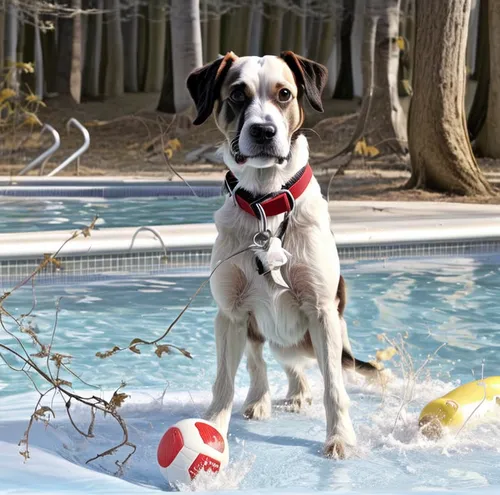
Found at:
(274, 203)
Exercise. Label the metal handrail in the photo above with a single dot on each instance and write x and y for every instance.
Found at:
(79, 151)
(44, 157)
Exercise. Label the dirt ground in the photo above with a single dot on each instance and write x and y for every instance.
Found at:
(126, 139)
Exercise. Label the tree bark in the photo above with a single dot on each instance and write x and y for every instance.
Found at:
(186, 44)
(488, 142)
(213, 33)
(156, 53)
(75, 80)
(327, 41)
(477, 114)
(256, 28)
(385, 126)
(64, 54)
(273, 25)
(344, 87)
(114, 77)
(11, 32)
(93, 52)
(130, 49)
(301, 29)
(406, 30)
(39, 72)
(441, 155)
(2, 37)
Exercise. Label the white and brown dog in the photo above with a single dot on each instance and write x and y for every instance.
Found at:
(258, 105)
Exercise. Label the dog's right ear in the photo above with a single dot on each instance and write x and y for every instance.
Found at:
(204, 85)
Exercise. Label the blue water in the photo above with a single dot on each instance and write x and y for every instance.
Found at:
(432, 302)
(33, 215)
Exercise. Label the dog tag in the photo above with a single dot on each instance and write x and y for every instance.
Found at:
(276, 258)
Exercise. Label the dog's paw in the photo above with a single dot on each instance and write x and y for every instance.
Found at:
(335, 448)
(295, 403)
(258, 410)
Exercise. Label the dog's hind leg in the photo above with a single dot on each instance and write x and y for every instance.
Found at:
(258, 402)
(294, 360)
(230, 339)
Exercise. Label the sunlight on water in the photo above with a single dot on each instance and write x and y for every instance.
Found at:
(56, 214)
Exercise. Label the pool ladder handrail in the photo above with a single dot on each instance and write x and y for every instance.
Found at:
(80, 151)
(45, 156)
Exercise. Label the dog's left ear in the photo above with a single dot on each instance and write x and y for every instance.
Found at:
(308, 74)
(204, 85)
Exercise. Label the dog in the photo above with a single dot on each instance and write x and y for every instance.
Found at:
(258, 105)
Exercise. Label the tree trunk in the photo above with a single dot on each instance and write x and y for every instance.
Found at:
(75, 84)
(113, 83)
(441, 155)
(406, 29)
(39, 72)
(385, 126)
(273, 25)
(2, 37)
(11, 42)
(256, 28)
(344, 88)
(49, 52)
(488, 142)
(186, 44)
(315, 35)
(301, 29)
(130, 49)
(142, 48)
(93, 52)
(156, 53)
(213, 33)
(327, 41)
(64, 54)
(477, 114)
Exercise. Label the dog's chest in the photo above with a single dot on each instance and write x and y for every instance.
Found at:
(276, 311)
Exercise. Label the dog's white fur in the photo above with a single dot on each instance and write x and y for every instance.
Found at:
(282, 316)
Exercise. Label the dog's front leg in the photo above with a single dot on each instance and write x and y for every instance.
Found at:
(230, 339)
(325, 331)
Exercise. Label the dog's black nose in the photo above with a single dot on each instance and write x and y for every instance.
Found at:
(262, 132)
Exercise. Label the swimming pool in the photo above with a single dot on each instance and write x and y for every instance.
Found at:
(34, 215)
(434, 300)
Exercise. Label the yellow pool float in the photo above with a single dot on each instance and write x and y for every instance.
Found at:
(478, 398)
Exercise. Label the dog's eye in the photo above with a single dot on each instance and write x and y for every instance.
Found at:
(238, 96)
(284, 95)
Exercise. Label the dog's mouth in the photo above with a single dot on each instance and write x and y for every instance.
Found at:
(240, 158)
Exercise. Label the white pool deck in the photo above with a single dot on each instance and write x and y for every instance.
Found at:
(354, 223)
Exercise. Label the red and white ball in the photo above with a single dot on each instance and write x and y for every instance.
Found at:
(191, 446)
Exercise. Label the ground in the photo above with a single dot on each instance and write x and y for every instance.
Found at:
(126, 137)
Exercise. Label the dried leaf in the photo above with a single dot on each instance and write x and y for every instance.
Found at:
(27, 67)
(117, 401)
(33, 98)
(134, 349)
(400, 41)
(169, 153)
(185, 353)
(386, 354)
(174, 144)
(162, 349)
(372, 151)
(59, 358)
(42, 411)
(31, 119)
(407, 86)
(360, 147)
(6, 93)
(137, 341)
(106, 354)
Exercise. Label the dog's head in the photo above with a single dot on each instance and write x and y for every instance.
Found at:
(258, 103)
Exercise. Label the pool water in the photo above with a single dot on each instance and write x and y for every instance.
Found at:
(33, 215)
(432, 301)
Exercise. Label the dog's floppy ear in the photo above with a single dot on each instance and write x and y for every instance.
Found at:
(204, 85)
(308, 74)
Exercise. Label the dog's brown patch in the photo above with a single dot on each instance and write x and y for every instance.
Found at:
(253, 332)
